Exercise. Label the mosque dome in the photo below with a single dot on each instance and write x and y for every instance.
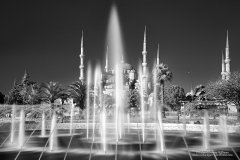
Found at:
(126, 66)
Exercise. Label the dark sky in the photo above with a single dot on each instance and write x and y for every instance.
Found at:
(44, 37)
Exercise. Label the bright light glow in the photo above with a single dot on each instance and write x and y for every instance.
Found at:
(142, 101)
(53, 141)
(21, 136)
(103, 130)
(13, 123)
(88, 96)
(43, 131)
(96, 89)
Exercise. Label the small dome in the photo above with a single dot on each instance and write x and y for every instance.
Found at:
(126, 66)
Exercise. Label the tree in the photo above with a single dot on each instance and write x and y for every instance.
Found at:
(163, 74)
(197, 94)
(132, 84)
(64, 95)
(200, 92)
(25, 92)
(50, 91)
(14, 96)
(133, 101)
(228, 90)
(33, 94)
(173, 95)
(77, 91)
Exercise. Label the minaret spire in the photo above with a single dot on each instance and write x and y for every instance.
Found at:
(14, 82)
(106, 66)
(227, 43)
(81, 67)
(144, 53)
(144, 63)
(145, 40)
(158, 62)
(25, 76)
(223, 73)
(227, 58)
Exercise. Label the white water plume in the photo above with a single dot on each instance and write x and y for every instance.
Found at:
(13, 123)
(116, 50)
(53, 134)
(97, 79)
(88, 96)
(140, 78)
(206, 131)
(43, 130)
(21, 136)
(114, 37)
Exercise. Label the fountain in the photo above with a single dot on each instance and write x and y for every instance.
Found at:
(88, 97)
(71, 118)
(146, 137)
(206, 131)
(155, 100)
(184, 123)
(114, 41)
(224, 129)
(142, 102)
(118, 98)
(160, 131)
(21, 136)
(43, 132)
(96, 80)
(12, 124)
(53, 134)
(103, 122)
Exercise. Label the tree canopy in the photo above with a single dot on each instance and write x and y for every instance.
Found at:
(173, 95)
(226, 89)
(77, 91)
(25, 92)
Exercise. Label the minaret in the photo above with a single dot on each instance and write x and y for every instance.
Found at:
(227, 59)
(81, 67)
(223, 73)
(106, 65)
(144, 63)
(25, 76)
(144, 53)
(14, 82)
(158, 62)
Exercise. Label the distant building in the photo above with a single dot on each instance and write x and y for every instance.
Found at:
(108, 77)
(130, 75)
(226, 62)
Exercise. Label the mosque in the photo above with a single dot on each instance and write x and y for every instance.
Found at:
(131, 74)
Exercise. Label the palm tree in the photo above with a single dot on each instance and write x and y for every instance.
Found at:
(77, 91)
(34, 95)
(50, 91)
(163, 74)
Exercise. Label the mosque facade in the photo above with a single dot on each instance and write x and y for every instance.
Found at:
(130, 74)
